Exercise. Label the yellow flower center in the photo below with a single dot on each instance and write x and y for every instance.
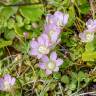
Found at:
(89, 36)
(43, 49)
(51, 32)
(59, 23)
(51, 65)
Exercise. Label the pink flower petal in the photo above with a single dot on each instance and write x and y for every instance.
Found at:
(89, 23)
(13, 81)
(46, 39)
(33, 52)
(48, 72)
(7, 78)
(1, 84)
(39, 56)
(56, 69)
(40, 40)
(82, 36)
(49, 19)
(54, 38)
(34, 44)
(65, 19)
(42, 65)
(45, 59)
(53, 56)
(59, 62)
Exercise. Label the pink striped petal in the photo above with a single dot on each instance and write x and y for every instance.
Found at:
(45, 59)
(42, 65)
(56, 69)
(7, 78)
(39, 56)
(65, 19)
(59, 62)
(48, 72)
(13, 81)
(53, 56)
(34, 44)
(40, 40)
(33, 52)
(1, 84)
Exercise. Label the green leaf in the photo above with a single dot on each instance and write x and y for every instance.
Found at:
(65, 79)
(56, 75)
(89, 46)
(10, 35)
(74, 77)
(18, 30)
(81, 76)
(85, 8)
(26, 21)
(71, 16)
(89, 56)
(28, 27)
(11, 23)
(80, 2)
(72, 86)
(41, 73)
(7, 12)
(66, 64)
(19, 20)
(32, 13)
(4, 43)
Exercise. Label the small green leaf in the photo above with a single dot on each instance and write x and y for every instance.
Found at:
(19, 20)
(11, 23)
(4, 43)
(18, 30)
(42, 73)
(85, 8)
(32, 13)
(10, 35)
(89, 56)
(28, 27)
(89, 46)
(72, 86)
(81, 76)
(56, 75)
(65, 79)
(7, 12)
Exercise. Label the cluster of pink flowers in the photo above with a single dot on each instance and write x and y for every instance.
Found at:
(42, 46)
(7, 82)
(88, 34)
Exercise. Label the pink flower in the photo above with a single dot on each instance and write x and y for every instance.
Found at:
(91, 25)
(86, 36)
(59, 18)
(40, 47)
(7, 82)
(26, 34)
(53, 32)
(50, 64)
